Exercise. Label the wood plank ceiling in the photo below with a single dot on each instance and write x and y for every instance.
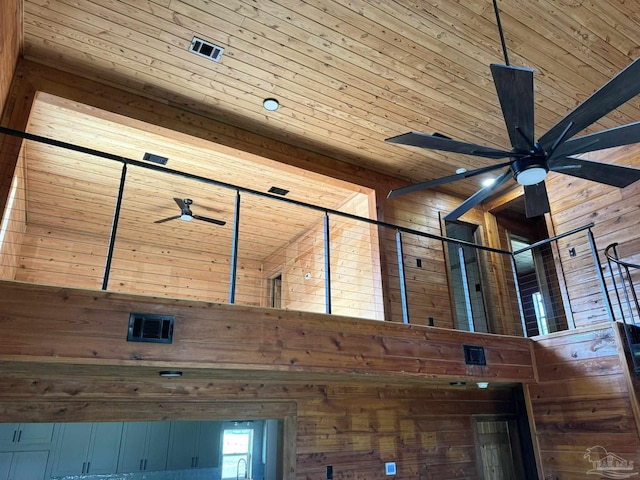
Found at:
(348, 74)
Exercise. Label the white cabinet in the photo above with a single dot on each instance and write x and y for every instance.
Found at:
(194, 445)
(144, 446)
(87, 448)
(12, 434)
(29, 465)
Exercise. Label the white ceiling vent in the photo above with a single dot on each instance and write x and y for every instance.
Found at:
(206, 49)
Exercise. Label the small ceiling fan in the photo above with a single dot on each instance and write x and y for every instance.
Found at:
(530, 161)
(187, 215)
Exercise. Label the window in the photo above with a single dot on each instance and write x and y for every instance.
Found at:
(541, 315)
(237, 444)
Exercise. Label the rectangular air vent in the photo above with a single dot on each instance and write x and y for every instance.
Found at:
(278, 191)
(145, 327)
(474, 355)
(150, 157)
(206, 49)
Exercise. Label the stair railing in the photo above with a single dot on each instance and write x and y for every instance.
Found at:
(627, 298)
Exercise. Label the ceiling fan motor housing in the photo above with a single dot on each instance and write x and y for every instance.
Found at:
(530, 170)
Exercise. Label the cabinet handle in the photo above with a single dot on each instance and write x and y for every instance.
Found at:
(145, 464)
(84, 464)
(196, 465)
(193, 460)
(15, 432)
(19, 435)
(140, 464)
(88, 465)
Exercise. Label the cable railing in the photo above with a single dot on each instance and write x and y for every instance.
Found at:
(88, 219)
(624, 275)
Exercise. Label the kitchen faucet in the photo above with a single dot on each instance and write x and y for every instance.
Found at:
(245, 469)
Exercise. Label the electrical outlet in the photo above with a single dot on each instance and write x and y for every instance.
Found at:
(390, 468)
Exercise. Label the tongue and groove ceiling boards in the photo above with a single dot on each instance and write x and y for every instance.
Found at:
(348, 74)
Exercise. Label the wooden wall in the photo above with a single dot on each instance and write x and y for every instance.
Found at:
(364, 390)
(613, 211)
(353, 426)
(354, 266)
(582, 399)
(13, 224)
(10, 44)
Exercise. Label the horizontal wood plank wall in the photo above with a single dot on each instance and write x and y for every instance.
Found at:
(613, 211)
(66, 325)
(354, 427)
(581, 401)
(10, 44)
(13, 224)
(10, 38)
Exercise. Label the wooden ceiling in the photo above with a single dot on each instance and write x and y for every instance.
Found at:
(348, 74)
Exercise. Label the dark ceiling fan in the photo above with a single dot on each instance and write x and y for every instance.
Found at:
(187, 215)
(530, 160)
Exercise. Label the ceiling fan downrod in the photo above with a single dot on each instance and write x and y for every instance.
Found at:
(502, 41)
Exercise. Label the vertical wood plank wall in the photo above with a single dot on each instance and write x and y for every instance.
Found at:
(582, 400)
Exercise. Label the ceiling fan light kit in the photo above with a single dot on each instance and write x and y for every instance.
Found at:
(530, 161)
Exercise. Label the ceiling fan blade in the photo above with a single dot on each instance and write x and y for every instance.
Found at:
(614, 137)
(443, 180)
(440, 142)
(515, 92)
(180, 203)
(478, 197)
(210, 220)
(614, 93)
(536, 200)
(175, 217)
(607, 173)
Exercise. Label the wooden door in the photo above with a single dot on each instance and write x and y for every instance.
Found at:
(494, 445)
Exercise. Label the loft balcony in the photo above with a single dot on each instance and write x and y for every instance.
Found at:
(91, 220)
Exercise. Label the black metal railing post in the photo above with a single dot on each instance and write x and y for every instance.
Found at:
(327, 265)
(114, 228)
(234, 250)
(516, 284)
(402, 279)
(465, 287)
(603, 285)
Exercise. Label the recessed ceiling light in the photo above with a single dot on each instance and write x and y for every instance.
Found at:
(271, 104)
(488, 182)
(461, 170)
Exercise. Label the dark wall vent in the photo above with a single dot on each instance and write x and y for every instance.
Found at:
(145, 327)
(206, 49)
(474, 355)
(150, 157)
(278, 191)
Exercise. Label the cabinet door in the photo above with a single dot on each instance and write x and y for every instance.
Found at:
(5, 464)
(8, 433)
(157, 446)
(208, 445)
(71, 451)
(35, 433)
(132, 448)
(29, 465)
(104, 448)
(182, 445)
